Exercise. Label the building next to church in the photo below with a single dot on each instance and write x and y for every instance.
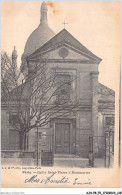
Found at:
(95, 114)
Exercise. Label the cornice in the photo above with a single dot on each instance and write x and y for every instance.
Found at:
(64, 44)
(77, 61)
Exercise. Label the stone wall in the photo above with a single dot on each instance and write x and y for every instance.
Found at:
(83, 132)
(19, 161)
(81, 73)
(19, 158)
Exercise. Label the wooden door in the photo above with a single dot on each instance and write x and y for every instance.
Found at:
(62, 138)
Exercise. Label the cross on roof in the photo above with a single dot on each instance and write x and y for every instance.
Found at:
(64, 23)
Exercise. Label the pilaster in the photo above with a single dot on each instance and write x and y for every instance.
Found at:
(94, 85)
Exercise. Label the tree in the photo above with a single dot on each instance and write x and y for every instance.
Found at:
(11, 77)
(45, 95)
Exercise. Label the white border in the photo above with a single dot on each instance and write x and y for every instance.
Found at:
(81, 191)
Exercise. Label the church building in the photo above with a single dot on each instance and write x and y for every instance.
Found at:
(94, 116)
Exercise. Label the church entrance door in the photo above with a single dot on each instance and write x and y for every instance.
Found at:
(62, 138)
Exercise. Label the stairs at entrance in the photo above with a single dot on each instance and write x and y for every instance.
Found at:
(70, 160)
(65, 156)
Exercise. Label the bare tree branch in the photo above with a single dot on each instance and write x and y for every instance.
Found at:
(44, 95)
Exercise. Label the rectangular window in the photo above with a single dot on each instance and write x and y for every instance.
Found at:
(63, 87)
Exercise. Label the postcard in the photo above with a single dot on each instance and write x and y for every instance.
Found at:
(60, 94)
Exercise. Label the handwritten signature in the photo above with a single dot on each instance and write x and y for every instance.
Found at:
(51, 179)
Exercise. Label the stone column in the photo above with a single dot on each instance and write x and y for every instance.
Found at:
(94, 84)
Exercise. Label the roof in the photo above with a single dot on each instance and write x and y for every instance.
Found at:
(65, 37)
(106, 95)
(15, 94)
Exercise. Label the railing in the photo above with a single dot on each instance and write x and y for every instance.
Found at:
(101, 150)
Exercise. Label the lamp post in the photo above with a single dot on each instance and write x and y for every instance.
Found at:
(108, 145)
(111, 141)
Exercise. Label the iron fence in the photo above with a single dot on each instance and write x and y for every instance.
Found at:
(101, 150)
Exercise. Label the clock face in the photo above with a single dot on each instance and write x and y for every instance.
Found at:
(63, 52)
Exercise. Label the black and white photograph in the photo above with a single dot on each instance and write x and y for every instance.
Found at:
(60, 81)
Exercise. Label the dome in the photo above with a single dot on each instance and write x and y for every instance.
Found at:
(40, 35)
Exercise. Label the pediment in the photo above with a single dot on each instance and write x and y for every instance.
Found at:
(66, 52)
(65, 40)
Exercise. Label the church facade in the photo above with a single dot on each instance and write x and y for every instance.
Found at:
(95, 113)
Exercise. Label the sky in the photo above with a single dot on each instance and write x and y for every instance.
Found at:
(96, 24)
